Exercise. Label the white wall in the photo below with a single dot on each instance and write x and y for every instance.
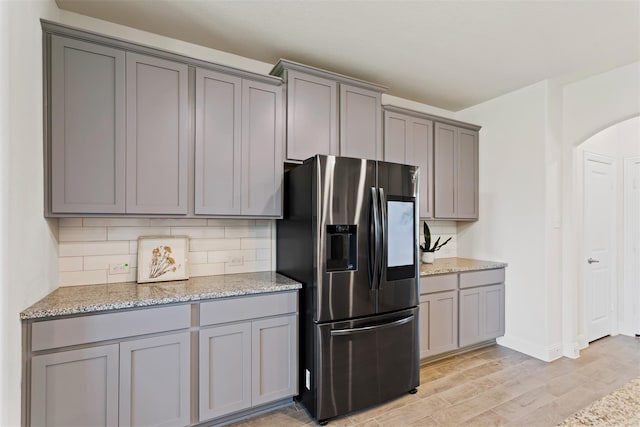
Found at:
(28, 255)
(512, 222)
(589, 106)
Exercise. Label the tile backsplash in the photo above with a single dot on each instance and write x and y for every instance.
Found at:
(87, 246)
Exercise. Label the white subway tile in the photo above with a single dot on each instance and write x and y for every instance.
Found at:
(263, 254)
(197, 257)
(132, 233)
(226, 256)
(256, 243)
(248, 267)
(90, 277)
(230, 222)
(265, 222)
(98, 262)
(115, 222)
(131, 276)
(92, 248)
(178, 222)
(70, 222)
(237, 232)
(133, 247)
(73, 263)
(206, 269)
(196, 245)
(199, 232)
(82, 234)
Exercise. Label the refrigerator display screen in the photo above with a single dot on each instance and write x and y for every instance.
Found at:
(400, 232)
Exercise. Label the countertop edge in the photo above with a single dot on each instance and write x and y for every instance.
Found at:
(458, 265)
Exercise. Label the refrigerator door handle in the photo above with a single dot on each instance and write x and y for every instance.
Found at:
(351, 331)
(383, 226)
(375, 229)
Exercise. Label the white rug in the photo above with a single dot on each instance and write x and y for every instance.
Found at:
(620, 408)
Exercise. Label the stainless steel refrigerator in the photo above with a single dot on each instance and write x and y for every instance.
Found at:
(349, 234)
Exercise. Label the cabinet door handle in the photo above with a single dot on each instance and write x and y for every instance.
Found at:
(591, 260)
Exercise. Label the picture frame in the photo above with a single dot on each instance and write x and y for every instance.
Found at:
(162, 258)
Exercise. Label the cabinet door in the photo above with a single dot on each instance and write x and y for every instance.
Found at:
(312, 116)
(262, 139)
(438, 323)
(155, 381)
(445, 171)
(420, 153)
(396, 137)
(493, 316)
(75, 388)
(274, 359)
(87, 127)
(467, 180)
(225, 370)
(218, 139)
(471, 316)
(360, 123)
(156, 135)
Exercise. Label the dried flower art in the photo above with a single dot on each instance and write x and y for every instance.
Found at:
(162, 262)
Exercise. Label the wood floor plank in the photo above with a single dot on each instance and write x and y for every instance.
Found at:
(493, 386)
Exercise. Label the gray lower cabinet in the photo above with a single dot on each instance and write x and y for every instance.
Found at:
(408, 139)
(157, 135)
(155, 382)
(87, 131)
(481, 314)
(455, 172)
(225, 370)
(460, 309)
(438, 323)
(248, 353)
(75, 387)
(360, 123)
(238, 152)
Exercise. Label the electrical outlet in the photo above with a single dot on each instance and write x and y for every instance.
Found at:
(236, 261)
(119, 268)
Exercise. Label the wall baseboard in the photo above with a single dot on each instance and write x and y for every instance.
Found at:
(544, 353)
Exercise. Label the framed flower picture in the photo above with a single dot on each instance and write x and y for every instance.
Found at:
(162, 258)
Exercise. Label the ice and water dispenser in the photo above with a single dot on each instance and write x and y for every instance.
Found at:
(342, 247)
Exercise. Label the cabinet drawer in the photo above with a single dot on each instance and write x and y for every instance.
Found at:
(249, 307)
(100, 327)
(442, 282)
(481, 278)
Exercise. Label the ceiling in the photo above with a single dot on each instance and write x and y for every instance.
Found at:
(448, 54)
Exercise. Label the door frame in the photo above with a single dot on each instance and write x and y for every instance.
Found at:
(631, 273)
(613, 291)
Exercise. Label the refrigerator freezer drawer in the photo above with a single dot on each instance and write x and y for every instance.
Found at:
(364, 362)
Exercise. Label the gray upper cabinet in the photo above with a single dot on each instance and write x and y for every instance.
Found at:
(156, 135)
(455, 172)
(262, 162)
(87, 149)
(409, 139)
(360, 123)
(238, 152)
(312, 115)
(317, 100)
(218, 143)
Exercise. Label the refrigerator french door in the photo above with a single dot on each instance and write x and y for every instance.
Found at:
(349, 234)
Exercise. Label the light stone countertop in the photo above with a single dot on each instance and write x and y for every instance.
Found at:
(455, 265)
(113, 296)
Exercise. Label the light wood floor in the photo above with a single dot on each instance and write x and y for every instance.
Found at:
(494, 386)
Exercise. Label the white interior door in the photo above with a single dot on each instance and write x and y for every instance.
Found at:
(599, 241)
